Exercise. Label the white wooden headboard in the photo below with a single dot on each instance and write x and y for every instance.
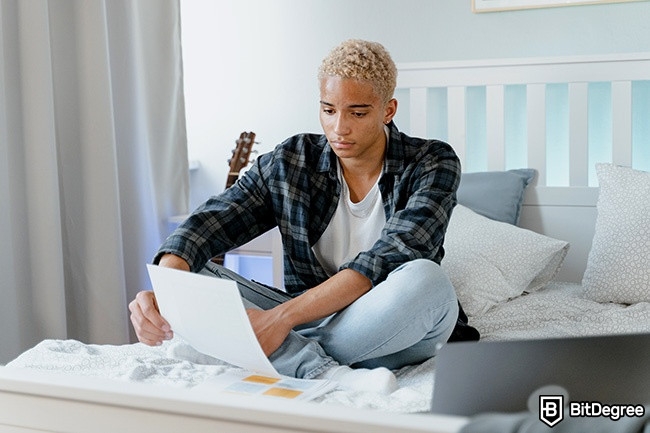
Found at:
(503, 114)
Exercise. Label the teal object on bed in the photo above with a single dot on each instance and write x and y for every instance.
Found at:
(497, 195)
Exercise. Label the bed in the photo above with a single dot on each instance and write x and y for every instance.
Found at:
(530, 257)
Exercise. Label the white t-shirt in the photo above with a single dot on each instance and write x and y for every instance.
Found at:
(355, 227)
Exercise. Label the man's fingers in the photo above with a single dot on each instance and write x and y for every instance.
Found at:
(150, 327)
(147, 303)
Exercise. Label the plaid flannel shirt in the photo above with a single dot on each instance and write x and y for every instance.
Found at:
(295, 187)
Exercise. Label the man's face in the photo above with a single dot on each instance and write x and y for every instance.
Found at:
(353, 116)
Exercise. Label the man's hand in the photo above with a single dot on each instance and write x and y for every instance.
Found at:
(150, 327)
(270, 328)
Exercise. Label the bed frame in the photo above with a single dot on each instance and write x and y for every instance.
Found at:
(40, 402)
(34, 401)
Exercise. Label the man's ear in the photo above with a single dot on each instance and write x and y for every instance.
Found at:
(390, 110)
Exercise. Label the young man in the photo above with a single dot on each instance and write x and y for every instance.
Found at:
(362, 211)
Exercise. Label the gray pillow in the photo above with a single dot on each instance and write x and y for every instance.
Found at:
(497, 195)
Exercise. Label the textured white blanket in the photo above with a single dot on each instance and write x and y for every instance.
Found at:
(557, 310)
(175, 363)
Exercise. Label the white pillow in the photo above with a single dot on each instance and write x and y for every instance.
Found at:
(618, 268)
(489, 262)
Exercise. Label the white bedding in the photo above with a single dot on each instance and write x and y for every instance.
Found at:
(559, 309)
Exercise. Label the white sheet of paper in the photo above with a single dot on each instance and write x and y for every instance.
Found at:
(209, 314)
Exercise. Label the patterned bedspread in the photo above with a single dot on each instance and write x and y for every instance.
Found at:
(560, 310)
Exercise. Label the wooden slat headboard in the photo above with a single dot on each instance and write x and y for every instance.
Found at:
(557, 115)
(620, 71)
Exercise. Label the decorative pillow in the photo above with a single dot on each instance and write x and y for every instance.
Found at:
(489, 262)
(495, 194)
(618, 267)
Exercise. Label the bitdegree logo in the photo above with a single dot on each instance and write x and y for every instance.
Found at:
(551, 410)
(612, 411)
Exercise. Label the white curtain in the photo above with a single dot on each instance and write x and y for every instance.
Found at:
(93, 162)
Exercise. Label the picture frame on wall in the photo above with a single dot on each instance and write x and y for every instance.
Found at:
(505, 5)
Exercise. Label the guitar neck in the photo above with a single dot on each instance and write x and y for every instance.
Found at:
(231, 179)
(240, 156)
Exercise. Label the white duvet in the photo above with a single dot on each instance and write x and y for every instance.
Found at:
(557, 310)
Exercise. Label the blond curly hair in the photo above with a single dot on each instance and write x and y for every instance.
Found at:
(362, 60)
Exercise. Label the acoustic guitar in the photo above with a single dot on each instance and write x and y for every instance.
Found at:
(241, 155)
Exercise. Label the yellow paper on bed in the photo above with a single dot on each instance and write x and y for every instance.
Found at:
(209, 314)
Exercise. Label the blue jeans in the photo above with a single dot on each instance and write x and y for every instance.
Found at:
(397, 323)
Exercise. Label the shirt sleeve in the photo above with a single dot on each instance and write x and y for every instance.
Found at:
(223, 222)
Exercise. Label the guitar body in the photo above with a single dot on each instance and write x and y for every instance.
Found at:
(240, 159)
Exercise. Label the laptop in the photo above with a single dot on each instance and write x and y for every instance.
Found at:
(510, 376)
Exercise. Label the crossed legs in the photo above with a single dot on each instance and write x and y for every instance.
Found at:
(398, 322)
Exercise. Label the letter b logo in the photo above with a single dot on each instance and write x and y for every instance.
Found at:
(551, 409)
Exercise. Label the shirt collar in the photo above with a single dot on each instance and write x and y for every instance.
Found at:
(394, 162)
(327, 158)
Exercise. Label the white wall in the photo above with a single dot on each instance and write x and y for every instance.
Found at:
(251, 64)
